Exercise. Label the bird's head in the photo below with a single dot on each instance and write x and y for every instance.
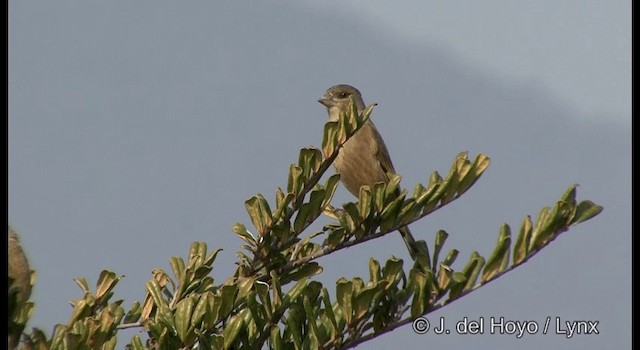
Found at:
(337, 99)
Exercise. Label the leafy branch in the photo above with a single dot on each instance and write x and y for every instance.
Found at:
(272, 297)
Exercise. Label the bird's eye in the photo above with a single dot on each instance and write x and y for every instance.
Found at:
(342, 95)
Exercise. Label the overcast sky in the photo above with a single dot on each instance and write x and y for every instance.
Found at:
(136, 128)
(578, 50)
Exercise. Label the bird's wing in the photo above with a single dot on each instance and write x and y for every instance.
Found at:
(382, 154)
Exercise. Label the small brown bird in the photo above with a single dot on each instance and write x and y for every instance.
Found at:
(364, 158)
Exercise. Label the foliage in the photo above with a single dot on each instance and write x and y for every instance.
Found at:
(273, 299)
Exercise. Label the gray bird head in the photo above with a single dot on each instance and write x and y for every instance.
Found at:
(338, 97)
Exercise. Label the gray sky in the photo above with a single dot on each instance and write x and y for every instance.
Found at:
(578, 50)
(138, 128)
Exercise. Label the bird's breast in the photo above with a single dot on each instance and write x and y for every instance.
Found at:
(357, 163)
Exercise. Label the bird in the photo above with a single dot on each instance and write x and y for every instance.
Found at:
(364, 158)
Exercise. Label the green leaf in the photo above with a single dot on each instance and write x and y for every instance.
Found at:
(330, 189)
(523, 241)
(459, 277)
(456, 285)
(275, 339)
(447, 190)
(393, 186)
(227, 299)
(154, 289)
(352, 120)
(233, 327)
(57, 339)
(344, 296)
(294, 324)
(244, 286)
(296, 180)
(557, 221)
(470, 274)
(480, 164)
(352, 217)
(199, 310)
(585, 210)
(177, 265)
(344, 129)
(564, 213)
(362, 302)
(309, 160)
(133, 315)
(451, 257)
(410, 209)
(262, 290)
(378, 198)
(499, 259)
(276, 290)
(358, 284)
(335, 237)
(295, 292)
(329, 310)
(258, 311)
(435, 180)
(420, 282)
(213, 304)
(217, 341)
(80, 308)
(136, 343)
(422, 257)
(197, 252)
(73, 340)
(364, 202)
(110, 344)
(252, 206)
(301, 218)
(374, 271)
(211, 257)
(473, 271)
(538, 227)
(244, 234)
(311, 318)
(445, 273)
(106, 282)
(303, 272)
(389, 216)
(282, 201)
(418, 190)
(265, 211)
(316, 198)
(329, 139)
(392, 271)
(441, 237)
(352, 210)
(110, 317)
(570, 194)
(184, 310)
(84, 285)
(463, 167)
(428, 199)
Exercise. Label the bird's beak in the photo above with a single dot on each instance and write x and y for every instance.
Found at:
(325, 101)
